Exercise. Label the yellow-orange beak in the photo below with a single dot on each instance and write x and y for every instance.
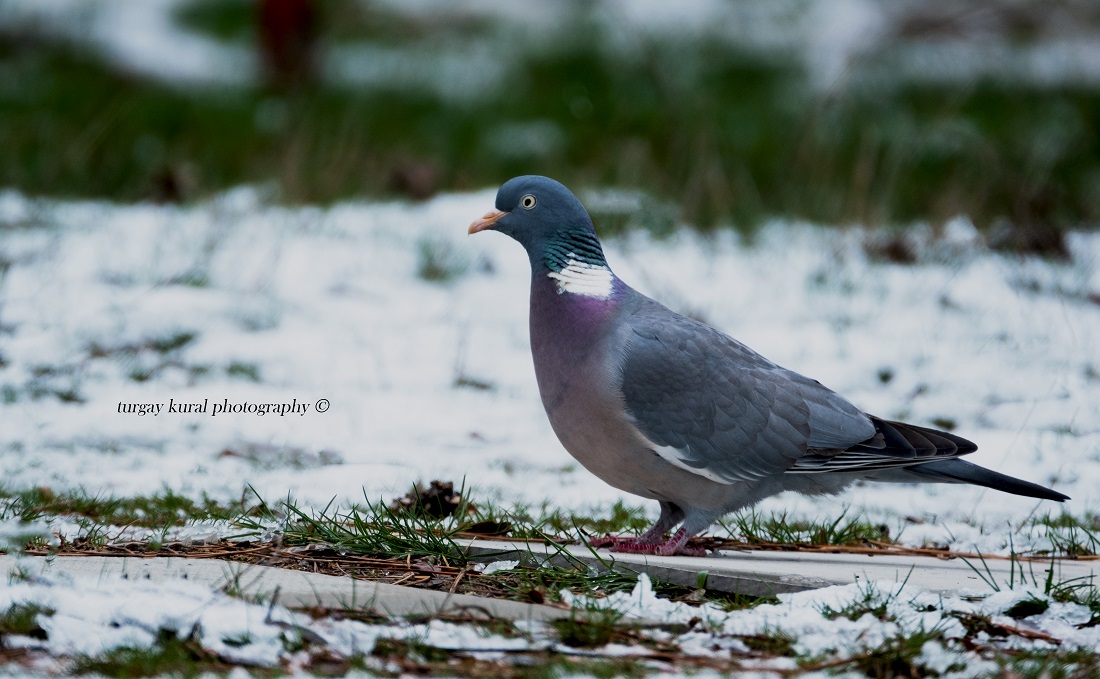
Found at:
(486, 222)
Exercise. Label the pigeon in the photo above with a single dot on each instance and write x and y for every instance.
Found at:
(667, 408)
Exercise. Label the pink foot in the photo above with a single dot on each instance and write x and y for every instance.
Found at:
(683, 550)
(620, 544)
(677, 544)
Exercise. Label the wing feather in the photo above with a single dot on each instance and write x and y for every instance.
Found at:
(721, 407)
(712, 406)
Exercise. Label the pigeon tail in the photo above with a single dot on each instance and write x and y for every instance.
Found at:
(962, 471)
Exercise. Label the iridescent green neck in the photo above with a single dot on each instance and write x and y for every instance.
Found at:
(573, 247)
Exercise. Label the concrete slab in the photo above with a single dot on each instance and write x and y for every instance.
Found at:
(753, 573)
(764, 573)
(296, 589)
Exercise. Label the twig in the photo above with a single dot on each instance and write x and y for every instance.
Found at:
(454, 584)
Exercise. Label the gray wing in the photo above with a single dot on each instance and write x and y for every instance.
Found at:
(895, 444)
(715, 407)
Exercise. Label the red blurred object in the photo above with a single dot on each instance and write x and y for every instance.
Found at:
(288, 41)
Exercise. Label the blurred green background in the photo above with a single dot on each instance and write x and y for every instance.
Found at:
(712, 127)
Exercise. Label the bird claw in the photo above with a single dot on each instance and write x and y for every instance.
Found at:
(618, 544)
(638, 546)
(684, 550)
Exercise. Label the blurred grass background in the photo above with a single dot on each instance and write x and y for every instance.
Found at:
(723, 134)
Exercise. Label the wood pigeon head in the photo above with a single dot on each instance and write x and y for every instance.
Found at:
(536, 211)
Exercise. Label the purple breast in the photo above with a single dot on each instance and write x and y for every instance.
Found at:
(569, 334)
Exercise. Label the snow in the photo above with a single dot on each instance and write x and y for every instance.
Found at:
(324, 307)
(812, 619)
(497, 566)
(90, 616)
(15, 533)
(327, 304)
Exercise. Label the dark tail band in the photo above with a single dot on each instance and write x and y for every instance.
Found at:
(966, 472)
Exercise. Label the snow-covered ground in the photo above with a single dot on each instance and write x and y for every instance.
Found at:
(106, 309)
(240, 301)
(89, 617)
(271, 305)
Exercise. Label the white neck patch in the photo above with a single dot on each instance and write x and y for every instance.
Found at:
(581, 278)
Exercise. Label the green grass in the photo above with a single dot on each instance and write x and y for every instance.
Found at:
(171, 342)
(622, 519)
(1071, 535)
(145, 359)
(374, 528)
(438, 261)
(422, 659)
(100, 516)
(899, 656)
(540, 582)
(1083, 591)
(752, 527)
(1048, 664)
(245, 371)
(22, 619)
(600, 668)
(170, 655)
(380, 530)
(590, 627)
(722, 135)
(770, 643)
(165, 508)
(544, 582)
(872, 602)
(524, 521)
(60, 382)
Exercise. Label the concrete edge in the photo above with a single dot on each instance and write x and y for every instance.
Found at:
(294, 589)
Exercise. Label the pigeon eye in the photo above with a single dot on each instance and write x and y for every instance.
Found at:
(527, 202)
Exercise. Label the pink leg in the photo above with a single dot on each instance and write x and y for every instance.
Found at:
(650, 544)
(652, 536)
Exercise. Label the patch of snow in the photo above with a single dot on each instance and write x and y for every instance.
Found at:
(817, 621)
(325, 305)
(643, 604)
(14, 533)
(498, 566)
(90, 616)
